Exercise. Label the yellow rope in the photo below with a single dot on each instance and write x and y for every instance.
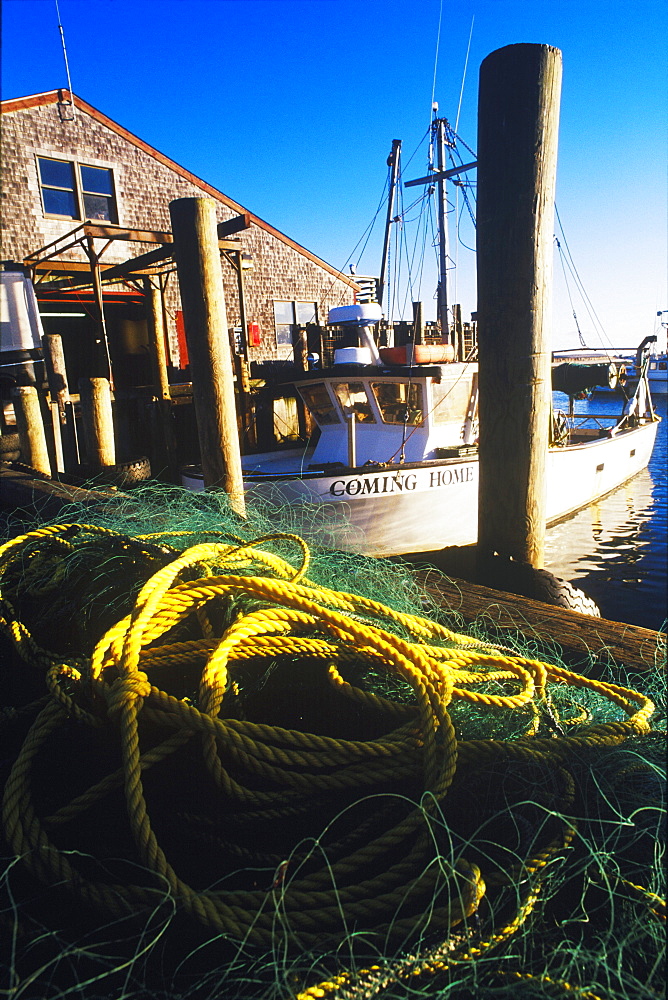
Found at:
(271, 612)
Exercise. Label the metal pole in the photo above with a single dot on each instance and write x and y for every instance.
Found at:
(393, 162)
(442, 309)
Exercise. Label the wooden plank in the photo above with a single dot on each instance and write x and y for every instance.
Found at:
(234, 225)
(110, 232)
(63, 266)
(581, 640)
(138, 264)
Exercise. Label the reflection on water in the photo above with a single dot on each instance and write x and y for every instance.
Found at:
(616, 549)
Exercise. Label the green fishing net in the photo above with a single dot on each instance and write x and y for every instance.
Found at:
(316, 814)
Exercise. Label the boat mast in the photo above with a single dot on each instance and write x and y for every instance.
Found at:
(392, 162)
(440, 132)
(438, 129)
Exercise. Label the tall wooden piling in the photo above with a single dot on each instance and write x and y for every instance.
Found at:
(30, 427)
(205, 320)
(518, 116)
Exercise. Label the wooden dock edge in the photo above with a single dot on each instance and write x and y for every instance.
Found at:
(578, 640)
(22, 489)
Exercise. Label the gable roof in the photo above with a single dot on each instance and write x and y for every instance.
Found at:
(64, 96)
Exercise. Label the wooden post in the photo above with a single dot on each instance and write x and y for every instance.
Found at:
(102, 340)
(205, 320)
(56, 373)
(97, 421)
(164, 441)
(241, 360)
(156, 339)
(418, 323)
(518, 116)
(30, 427)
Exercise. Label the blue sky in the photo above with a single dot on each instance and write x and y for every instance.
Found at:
(290, 108)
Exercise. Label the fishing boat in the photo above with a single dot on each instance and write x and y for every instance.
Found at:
(395, 466)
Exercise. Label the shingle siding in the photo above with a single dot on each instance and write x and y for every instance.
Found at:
(144, 188)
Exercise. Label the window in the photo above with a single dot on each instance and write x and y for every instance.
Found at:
(284, 318)
(290, 315)
(319, 403)
(353, 399)
(399, 402)
(77, 191)
(451, 400)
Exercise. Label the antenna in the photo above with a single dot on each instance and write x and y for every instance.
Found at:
(67, 67)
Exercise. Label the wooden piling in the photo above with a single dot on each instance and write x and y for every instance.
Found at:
(205, 320)
(517, 153)
(30, 428)
(97, 422)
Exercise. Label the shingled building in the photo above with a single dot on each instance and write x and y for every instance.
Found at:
(79, 189)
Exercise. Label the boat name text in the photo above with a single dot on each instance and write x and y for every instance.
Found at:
(400, 482)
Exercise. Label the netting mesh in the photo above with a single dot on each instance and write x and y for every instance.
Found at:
(237, 767)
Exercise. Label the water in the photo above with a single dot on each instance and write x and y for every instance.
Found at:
(616, 550)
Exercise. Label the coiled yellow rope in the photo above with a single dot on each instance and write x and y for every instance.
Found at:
(388, 883)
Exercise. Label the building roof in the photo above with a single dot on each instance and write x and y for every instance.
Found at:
(64, 96)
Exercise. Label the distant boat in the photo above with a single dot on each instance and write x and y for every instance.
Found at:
(630, 361)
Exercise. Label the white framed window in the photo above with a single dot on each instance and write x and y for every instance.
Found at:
(73, 190)
(288, 316)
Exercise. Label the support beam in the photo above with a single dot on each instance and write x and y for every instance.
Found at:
(518, 116)
(205, 319)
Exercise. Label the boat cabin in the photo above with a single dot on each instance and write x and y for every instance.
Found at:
(383, 415)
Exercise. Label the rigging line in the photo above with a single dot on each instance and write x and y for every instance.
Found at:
(438, 42)
(466, 63)
(67, 65)
(367, 233)
(600, 333)
(588, 303)
(568, 292)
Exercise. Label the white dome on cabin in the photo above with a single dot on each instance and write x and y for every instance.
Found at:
(362, 314)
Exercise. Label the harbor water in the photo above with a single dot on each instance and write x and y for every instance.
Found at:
(616, 551)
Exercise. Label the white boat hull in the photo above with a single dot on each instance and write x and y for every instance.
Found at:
(423, 506)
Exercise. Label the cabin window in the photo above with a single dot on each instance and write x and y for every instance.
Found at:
(450, 401)
(77, 191)
(352, 398)
(319, 403)
(399, 402)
